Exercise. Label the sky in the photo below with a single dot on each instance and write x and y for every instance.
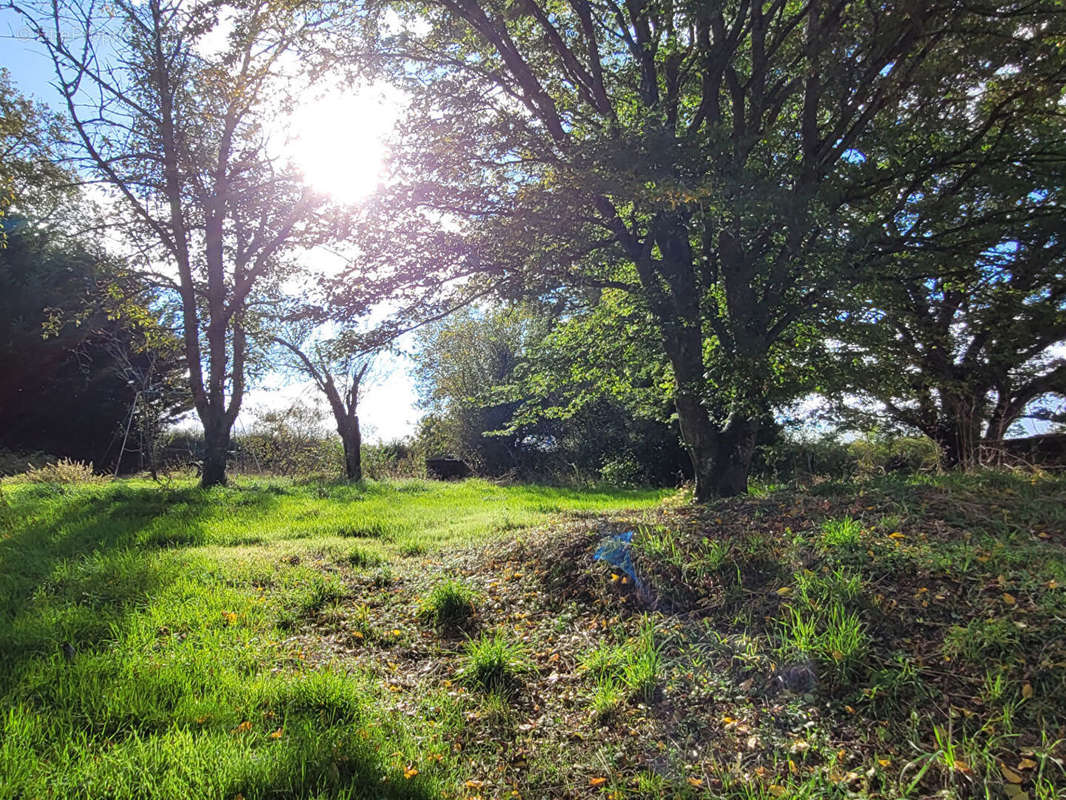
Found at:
(324, 128)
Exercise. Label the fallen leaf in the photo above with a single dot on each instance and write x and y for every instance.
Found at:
(1027, 690)
(695, 782)
(597, 781)
(276, 734)
(1010, 775)
(784, 590)
(776, 790)
(1026, 763)
(1009, 599)
(409, 772)
(896, 535)
(473, 784)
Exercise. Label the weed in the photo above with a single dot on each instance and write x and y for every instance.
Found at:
(834, 636)
(450, 603)
(63, 472)
(642, 665)
(980, 639)
(841, 533)
(494, 663)
(607, 699)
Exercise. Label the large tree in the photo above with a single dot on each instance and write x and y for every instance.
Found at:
(961, 342)
(82, 355)
(715, 159)
(175, 107)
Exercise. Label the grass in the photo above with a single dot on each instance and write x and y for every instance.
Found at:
(450, 603)
(182, 609)
(291, 640)
(494, 663)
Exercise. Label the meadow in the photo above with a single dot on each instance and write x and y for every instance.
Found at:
(898, 637)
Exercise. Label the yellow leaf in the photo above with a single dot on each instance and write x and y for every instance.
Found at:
(1009, 599)
(896, 535)
(1010, 775)
(784, 590)
(409, 772)
(276, 734)
(473, 784)
(776, 790)
(597, 781)
(695, 781)
(1026, 763)
(244, 727)
(1027, 690)
(884, 762)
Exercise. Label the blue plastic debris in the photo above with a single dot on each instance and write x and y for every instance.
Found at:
(615, 551)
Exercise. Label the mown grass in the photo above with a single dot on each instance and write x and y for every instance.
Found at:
(146, 632)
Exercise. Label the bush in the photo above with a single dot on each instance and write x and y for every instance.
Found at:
(291, 442)
(876, 455)
(397, 459)
(12, 463)
(64, 471)
(622, 471)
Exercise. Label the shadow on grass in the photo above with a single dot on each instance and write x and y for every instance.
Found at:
(140, 711)
(76, 561)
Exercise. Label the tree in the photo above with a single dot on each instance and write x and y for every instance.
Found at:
(545, 392)
(338, 369)
(182, 128)
(30, 180)
(716, 160)
(962, 347)
(79, 347)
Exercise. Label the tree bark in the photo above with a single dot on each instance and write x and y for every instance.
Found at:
(352, 440)
(736, 445)
(216, 450)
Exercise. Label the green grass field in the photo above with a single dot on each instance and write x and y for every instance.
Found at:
(896, 638)
(179, 605)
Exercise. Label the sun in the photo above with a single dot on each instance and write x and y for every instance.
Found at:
(340, 140)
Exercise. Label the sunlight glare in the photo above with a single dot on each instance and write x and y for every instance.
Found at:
(340, 141)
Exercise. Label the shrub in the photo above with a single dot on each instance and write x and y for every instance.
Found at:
(62, 472)
(449, 603)
(12, 463)
(875, 455)
(622, 471)
(494, 663)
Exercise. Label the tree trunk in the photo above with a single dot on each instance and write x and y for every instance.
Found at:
(736, 445)
(959, 434)
(352, 440)
(216, 450)
(699, 437)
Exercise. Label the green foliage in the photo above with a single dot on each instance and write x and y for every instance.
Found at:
(494, 663)
(291, 442)
(981, 640)
(81, 348)
(841, 533)
(631, 670)
(450, 603)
